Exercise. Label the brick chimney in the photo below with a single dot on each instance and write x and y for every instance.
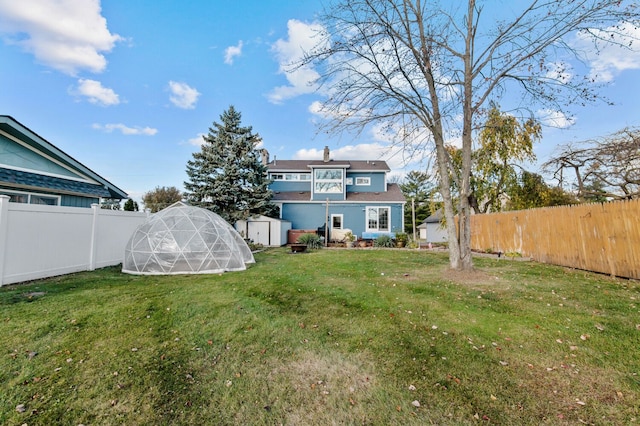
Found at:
(264, 154)
(326, 154)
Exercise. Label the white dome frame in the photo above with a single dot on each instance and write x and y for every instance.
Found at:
(183, 239)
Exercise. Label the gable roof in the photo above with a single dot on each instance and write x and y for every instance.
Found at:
(99, 187)
(435, 217)
(307, 165)
(393, 194)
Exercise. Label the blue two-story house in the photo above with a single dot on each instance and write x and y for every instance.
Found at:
(342, 194)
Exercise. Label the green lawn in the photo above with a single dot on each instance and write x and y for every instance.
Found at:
(328, 337)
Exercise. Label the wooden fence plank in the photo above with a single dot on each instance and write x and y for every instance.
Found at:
(596, 237)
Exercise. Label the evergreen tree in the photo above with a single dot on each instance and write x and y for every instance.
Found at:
(227, 175)
(110, 204)
(130, 205)
(420, 187)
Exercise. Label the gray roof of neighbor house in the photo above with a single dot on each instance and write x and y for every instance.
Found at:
(27, 180)
(307, 165)
(392, 194)
(435, 218)
(22, 179)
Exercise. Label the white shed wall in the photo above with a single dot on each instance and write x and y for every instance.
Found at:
(264, 230)
(436, 233)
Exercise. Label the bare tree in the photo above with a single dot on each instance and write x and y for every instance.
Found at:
(426, 70)
(606, 168)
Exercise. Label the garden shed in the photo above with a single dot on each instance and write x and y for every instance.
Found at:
(264, 230)
(432, 230)
(183, 239)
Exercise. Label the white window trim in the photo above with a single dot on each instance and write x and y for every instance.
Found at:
(293, 177)
(30, 194)
(378, 210)
(333, 181)
(341, 216)
(363, 181)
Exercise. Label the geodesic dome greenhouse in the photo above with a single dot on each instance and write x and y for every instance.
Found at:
(183, 239)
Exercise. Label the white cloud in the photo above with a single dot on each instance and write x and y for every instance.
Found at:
(182, 95)
(301, 38)
(96, 93)
(609, 59)
(231, 52)
(197, 141)
(67, 35)
(556, 119)
(560, 71)
(126, 130)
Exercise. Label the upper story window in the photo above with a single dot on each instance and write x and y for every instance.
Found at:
(292, 177)
(328, 181)
(363, 181)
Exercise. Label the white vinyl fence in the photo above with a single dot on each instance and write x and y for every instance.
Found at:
(38, 241)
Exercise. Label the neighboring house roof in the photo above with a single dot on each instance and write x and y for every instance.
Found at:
(34, 181)
(306, 165)
(435, 218)
(392, 194)
(11, 177)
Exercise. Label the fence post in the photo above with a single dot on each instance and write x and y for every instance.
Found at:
(94, 237)
(4, 227)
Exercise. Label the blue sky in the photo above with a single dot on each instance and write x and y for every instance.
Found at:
(128, 87)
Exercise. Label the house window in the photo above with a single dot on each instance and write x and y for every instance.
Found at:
(328, 181)
(26, 198)
(291, 176)
(336, 221)
(16, 197)
(378, 219)
(45, 200)
(363, 181)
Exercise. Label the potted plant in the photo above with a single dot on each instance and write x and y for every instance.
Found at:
(349, 238)
(401, 239)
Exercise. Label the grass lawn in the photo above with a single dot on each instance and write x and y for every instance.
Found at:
(328, 337)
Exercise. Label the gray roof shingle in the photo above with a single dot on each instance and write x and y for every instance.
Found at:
(306, 165)
(392, 194)
(20, 179)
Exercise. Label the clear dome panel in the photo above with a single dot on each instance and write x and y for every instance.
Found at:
(182, 239)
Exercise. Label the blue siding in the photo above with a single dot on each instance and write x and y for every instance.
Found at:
(312, 215)
(75, 201)
(304, 216)
(377, 182)
(290, 186)
(16, 155)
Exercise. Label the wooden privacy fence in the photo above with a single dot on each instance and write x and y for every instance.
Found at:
(595, 237)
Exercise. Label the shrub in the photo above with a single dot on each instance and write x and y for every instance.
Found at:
(311, 240)
(383, 241)
(402, 237)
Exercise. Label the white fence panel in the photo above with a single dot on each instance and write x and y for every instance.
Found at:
(42, 241)
(112, 231)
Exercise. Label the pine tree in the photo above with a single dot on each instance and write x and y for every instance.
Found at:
(130, 205)
(227, 175)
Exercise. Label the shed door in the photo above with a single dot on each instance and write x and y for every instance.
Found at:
(259, 232)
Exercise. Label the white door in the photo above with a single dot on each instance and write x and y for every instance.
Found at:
(259, 232)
